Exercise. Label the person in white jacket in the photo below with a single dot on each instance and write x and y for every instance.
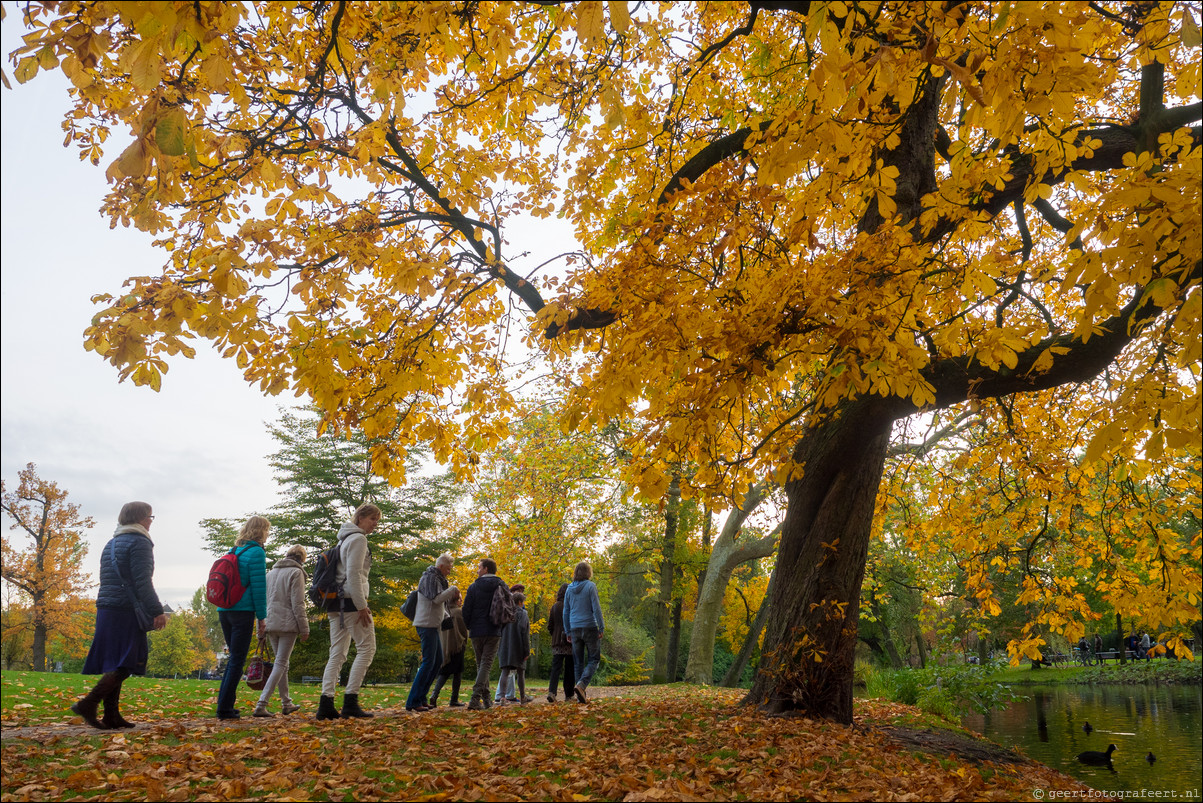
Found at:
(353, 620)
(287, 621)
(433, 594)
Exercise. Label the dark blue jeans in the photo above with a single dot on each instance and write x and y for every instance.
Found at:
(239, 628)
(585, 642)
(432, 659)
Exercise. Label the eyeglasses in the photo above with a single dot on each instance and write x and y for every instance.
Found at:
(152, 518)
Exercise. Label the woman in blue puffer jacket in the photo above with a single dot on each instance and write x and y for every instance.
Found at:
(119, 648)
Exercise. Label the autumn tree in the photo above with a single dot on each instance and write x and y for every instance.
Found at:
(323, 478)
(49, 570)
(799, 223)
(180, 648)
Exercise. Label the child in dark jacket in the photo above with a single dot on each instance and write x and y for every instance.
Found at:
(515, 649)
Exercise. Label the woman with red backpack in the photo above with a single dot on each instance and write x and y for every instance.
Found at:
(238, 621)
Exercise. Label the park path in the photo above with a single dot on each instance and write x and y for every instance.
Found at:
(74, 726)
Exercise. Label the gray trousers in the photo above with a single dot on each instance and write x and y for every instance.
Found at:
(485, 648)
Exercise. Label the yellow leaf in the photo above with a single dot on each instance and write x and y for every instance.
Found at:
(590, 21)
(620, 17)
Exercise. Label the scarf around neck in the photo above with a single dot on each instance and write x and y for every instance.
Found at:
(432, 583)
(132, 528)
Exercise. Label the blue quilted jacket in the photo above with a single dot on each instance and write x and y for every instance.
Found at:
(135, 555)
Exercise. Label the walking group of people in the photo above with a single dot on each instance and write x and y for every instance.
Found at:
(447, 621)
(273, 608)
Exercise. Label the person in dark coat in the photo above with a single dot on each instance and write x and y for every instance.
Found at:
(485, 635)
(515, 649)
(561, 649)
(453, 638)
(505, 683)
(119, 647)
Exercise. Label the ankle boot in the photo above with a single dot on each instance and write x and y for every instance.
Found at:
(261, 710)
(351, 709)
(87, 706)
(112, 711)
(326, 709)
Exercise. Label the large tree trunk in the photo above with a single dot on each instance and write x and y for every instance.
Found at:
(39, 647)
(667, 572)
(728, 552)
(38, 612)
(674, 640)
(810, 641)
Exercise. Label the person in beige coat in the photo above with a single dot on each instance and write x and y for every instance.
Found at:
(453, 638)
(287, 621)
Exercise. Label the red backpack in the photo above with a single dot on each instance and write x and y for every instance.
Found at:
(225, 587)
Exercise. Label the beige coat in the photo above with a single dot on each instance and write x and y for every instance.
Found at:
(286, 598)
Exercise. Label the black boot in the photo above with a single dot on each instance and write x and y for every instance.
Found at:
(87, 706)
(351, 709)
(326, 709)
(455, 703)
(112, 711)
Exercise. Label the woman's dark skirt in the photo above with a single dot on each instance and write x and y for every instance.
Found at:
(455, 666)
(118, 644)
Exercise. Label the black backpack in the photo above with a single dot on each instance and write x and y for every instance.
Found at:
(325, 586)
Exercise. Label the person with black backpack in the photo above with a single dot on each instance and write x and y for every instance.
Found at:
(483, 629)
(238, 620)
(349, 615)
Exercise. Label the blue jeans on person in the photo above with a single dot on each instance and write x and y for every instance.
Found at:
(239, 628)
(586, 641)
(432, 659)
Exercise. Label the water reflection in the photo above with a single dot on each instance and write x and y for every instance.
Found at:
(1164, 720)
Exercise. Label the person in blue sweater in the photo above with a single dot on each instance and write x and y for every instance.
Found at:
(583, 621)
(238, 622)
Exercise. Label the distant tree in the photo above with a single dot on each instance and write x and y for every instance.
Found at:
(323, 479)
(176, 650)
(48, 571)
(16, 636)
(204, 622)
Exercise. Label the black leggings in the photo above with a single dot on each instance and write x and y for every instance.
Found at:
(562, 663)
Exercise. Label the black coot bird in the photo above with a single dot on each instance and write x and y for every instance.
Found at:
(1095, 757)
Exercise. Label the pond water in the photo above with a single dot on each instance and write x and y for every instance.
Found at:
(1165, 720)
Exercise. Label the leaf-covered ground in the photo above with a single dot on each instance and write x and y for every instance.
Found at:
(649, 743)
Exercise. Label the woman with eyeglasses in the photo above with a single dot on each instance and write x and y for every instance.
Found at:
(126, 608)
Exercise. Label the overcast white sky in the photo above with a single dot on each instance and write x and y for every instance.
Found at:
(196, 449)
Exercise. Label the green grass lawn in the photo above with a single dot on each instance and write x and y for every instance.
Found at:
(40, 698)
(1158, 670)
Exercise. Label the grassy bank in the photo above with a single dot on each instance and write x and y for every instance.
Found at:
(676, 742)
(953, 691)
(1158, 670)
